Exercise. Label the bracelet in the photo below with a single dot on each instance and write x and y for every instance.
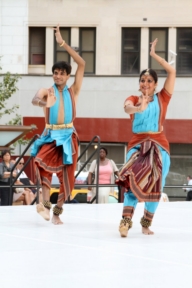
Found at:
(125, 105)
(139, 110)
(38, 103)
(62, 43)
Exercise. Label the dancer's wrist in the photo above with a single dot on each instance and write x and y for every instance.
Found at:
(138, 109)
(62, 43)
(38, 102)
(41, 103)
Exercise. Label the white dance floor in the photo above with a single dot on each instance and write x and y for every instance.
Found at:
(87, 250)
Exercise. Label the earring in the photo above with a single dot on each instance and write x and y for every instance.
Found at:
(139, 89)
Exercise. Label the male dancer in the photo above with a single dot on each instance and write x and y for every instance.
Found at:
(56, 150)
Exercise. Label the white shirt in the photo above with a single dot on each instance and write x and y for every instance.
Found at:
(23, 175)
(189, 183)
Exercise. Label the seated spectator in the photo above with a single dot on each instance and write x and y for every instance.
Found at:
(23, 194)
(164, 197)
(23, 178)
(188, 190)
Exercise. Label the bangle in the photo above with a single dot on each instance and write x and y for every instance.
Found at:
(38, 103)
(139, 110)
(125, 105)
(62, 43)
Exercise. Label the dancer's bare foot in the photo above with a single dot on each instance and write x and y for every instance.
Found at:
(44, 212)
(123, 232)
(56, 220)
(147, 231)
(125, 225)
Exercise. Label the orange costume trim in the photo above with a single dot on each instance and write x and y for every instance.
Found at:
(49, 160)
(157, 137)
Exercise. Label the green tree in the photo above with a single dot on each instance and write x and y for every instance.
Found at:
(8, 86)
(7, 89)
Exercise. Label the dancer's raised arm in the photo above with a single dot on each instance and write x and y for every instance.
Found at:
(171, 72)
(76, 86)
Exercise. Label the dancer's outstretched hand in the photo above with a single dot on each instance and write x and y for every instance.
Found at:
(51, 99)
(153, 45)
(144, 101)
(58, 36)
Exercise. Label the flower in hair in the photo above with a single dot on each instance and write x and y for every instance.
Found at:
(147, 72)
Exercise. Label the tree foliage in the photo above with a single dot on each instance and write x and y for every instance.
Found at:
(7, 89)
(8, 86)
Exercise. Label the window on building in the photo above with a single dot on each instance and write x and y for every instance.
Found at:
(60, 53)
(130, 51)
(184, 50)
(161, 48)
(36, 45)
(181, 166)
(87, 47)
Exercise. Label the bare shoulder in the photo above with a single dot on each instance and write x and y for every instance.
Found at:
(42, 91)
(74, 92)
(76, 86)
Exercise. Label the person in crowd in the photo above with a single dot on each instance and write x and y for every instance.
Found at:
(107, 172)
(5, 172)
(148, 157)
(56, 151)
(19, 194)
(164, 197)
(188, 190)
(23, 194)
(23, 178)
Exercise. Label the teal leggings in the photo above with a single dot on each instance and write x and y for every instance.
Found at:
(130, 201)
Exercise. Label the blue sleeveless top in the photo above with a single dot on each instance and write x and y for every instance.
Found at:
(53, 114)
(147, 120)
(63, 137)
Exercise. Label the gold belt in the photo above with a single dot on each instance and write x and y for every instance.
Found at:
(149, 132)
(60, 126)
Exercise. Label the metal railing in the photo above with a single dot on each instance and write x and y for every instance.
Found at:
(96, 185)
(97, 149)
(14, 179)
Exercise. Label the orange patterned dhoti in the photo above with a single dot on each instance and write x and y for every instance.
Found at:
(49, 160)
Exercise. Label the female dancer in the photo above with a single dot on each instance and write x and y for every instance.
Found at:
(148, 158)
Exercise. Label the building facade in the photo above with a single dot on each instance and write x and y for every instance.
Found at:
(113, 37)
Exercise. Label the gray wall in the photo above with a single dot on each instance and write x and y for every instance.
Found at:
(101, 97)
